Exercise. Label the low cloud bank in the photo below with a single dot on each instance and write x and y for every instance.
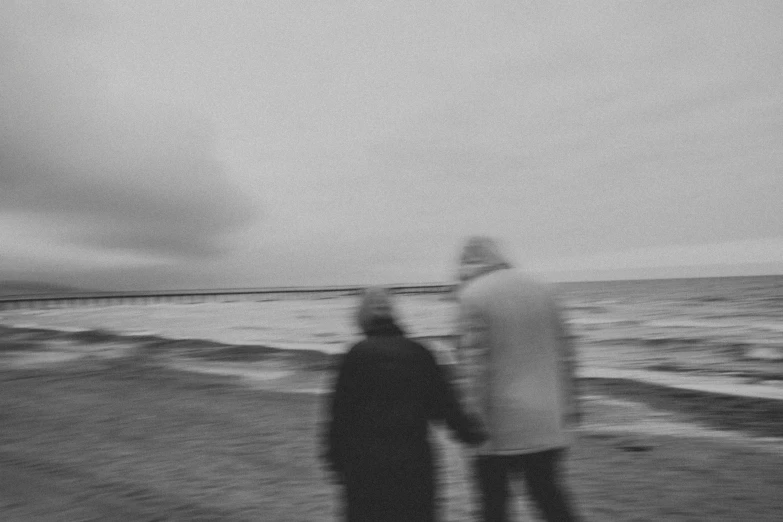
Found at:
(117, 167)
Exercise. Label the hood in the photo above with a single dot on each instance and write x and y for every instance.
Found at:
(480, 256)
(376, 313)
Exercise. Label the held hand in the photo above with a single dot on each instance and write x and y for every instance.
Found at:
(477, 434)
(337, 476)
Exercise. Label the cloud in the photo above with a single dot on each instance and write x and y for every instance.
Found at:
(379, 137)
(33, 242)
(127, 170)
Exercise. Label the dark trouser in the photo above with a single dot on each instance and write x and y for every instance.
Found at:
(391, 494)
(540, 471)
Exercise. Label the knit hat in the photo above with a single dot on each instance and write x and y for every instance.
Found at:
(375, 305)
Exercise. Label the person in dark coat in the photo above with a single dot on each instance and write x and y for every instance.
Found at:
(388, 389)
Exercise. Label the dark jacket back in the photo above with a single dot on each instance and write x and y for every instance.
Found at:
(388, 389)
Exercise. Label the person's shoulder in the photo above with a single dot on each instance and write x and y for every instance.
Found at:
(482, 284)
(357, 349)
(505, 278)
(422, 351)
(511, 284)
(523, 279)
(414, 344)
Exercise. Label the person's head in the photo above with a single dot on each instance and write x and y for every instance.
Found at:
(375, 307)
(479, 256)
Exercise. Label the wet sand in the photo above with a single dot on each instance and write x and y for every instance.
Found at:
(128, 438)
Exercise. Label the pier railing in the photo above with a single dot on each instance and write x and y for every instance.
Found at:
(35, 301)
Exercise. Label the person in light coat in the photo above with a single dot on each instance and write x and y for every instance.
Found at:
(517, 367)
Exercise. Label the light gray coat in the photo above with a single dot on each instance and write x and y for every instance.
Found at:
(516, 359)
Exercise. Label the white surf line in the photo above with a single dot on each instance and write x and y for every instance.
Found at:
(684, 430)
(725, 385)
(242, 370)
(267, 379)
(648, 421)
(31, 360)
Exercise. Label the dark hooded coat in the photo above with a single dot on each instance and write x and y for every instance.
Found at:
(388, 389)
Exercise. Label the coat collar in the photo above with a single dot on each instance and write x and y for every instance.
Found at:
(383, 326)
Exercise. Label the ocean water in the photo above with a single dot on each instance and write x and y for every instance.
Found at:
(710, 324)
(706, 327)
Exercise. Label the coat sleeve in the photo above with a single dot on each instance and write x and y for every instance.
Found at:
(338, 408)
(446, 407)
(473, 362)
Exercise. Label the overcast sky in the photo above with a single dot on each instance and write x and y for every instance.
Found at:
(216, 143)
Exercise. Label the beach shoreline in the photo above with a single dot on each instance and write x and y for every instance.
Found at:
(34, 346)
(132, 435)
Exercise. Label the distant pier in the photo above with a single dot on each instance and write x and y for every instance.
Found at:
(39, 301)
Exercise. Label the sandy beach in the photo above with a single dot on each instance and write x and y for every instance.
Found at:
(132, 438)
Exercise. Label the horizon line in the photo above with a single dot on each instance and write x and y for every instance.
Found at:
(76, 293)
